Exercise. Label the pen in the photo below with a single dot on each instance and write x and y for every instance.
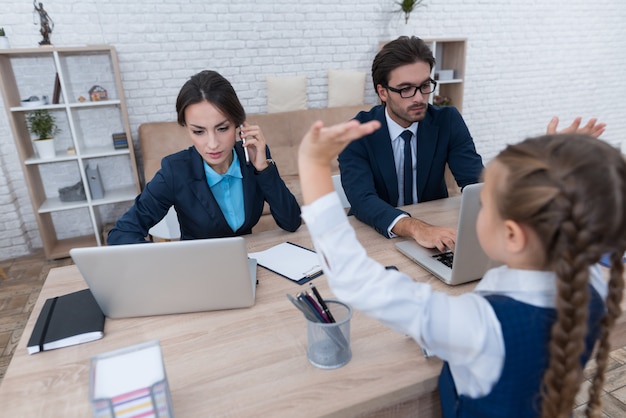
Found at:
(245, 150)
(302, 297)
(322, 303)
(317, 307)
(307, 314)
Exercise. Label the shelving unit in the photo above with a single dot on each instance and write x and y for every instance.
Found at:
(449, 54)
(85, 138)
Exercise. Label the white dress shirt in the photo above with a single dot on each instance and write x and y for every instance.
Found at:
(397, 145)
(462, 330)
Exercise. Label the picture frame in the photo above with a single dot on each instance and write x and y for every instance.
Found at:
(57, 90)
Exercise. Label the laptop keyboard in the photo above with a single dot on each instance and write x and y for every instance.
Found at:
(445, 258)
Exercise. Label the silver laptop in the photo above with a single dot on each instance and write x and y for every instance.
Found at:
(169, 277)
(469, 262)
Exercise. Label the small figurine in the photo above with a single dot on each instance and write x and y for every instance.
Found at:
(73, 193)
(46, 22)
(97, 93)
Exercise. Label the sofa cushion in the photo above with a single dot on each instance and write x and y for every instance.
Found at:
(345, 88)
(286, 93)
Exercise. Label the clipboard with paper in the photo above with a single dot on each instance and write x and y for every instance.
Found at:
(291, 261)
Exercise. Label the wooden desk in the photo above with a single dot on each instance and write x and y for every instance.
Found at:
(246, 362)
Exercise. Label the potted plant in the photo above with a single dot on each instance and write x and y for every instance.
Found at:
(4, 41)
(407, 6)
(439, 100)
(43, 125)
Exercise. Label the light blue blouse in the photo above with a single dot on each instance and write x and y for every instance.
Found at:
(228, 191)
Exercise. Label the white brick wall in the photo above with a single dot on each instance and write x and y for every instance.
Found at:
(526, 61)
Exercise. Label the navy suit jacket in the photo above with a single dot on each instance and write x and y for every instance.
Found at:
(368, 172)
(181, 182)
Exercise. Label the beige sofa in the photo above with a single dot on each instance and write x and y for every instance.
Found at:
(283, 132)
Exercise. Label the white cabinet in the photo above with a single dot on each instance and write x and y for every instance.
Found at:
(86, 139)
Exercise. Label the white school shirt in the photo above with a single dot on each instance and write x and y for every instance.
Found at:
(462, 330)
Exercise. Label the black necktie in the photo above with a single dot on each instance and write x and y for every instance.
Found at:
(408, 168)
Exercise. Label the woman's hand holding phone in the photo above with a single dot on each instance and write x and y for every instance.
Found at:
(254, 145)
(245, 150)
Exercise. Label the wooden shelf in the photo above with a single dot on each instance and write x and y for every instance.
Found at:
(61, 248)
(87, 127)
(449, 55)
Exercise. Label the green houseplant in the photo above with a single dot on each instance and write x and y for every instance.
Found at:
(43, 125)
(4, 41)
(407, 6)
(439, 100)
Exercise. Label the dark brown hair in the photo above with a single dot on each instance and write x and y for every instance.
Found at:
(570, 190)
(215, 89)
(399, 52)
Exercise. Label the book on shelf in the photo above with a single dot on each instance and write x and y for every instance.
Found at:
(67, 320)
(119, 140)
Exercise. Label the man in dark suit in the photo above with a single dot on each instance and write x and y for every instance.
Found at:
(373, 171)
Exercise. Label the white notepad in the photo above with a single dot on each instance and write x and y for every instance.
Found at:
(291, 261)
(130, 381)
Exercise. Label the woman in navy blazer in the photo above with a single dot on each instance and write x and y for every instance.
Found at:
(219, 185)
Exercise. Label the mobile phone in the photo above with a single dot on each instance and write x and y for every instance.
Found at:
(245, 150)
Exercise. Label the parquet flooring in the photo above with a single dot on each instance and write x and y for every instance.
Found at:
(18, 293)
(25, 277)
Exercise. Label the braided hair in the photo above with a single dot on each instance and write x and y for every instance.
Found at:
(570, 189)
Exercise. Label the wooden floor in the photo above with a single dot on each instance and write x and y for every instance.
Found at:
(18, 294)
(25, 277)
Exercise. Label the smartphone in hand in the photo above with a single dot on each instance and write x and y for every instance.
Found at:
(245, 150)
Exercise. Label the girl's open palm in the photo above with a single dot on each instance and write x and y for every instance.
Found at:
(322, 144)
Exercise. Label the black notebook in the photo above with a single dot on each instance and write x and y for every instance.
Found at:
(67, 320)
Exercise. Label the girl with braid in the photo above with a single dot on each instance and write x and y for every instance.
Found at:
(516, 346)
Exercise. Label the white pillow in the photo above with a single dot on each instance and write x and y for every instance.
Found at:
(345, 88)
(286, 93)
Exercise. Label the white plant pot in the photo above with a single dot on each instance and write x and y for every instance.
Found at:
(4, 42)
(404, 29)
(45, 148)
(397, 27)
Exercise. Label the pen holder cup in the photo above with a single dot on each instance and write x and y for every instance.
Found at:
(328, 344)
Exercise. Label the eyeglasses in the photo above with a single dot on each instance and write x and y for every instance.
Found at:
(407, 92)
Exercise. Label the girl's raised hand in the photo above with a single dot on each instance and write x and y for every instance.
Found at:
(592, 127)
